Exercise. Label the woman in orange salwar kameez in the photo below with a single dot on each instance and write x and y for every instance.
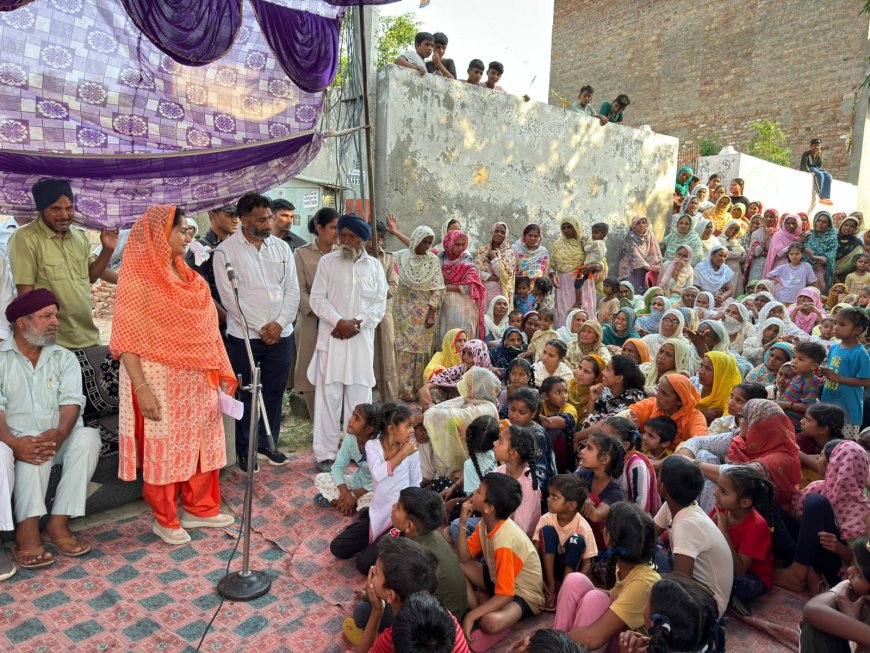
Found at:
(165, 331)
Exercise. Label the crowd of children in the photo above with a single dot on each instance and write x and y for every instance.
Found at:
(636, 463)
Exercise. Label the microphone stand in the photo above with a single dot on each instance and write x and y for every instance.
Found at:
(247, 584)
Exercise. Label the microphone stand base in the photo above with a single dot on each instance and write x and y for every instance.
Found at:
(239, 587)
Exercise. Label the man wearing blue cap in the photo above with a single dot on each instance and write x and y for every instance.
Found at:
(349, 296)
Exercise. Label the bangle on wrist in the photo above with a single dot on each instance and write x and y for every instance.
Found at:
(139, 387)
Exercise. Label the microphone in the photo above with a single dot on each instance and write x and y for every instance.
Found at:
(231, 275)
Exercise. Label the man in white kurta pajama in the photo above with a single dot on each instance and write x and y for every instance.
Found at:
(41, 425)
(349, 296)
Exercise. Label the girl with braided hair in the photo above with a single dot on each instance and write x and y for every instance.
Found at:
(682, 617)
(595, 617)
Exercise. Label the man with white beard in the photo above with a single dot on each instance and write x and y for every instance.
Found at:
(41, 400)
(349, 296)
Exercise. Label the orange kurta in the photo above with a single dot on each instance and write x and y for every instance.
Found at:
(190, 432)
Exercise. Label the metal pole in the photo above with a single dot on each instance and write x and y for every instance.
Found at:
(370, 170)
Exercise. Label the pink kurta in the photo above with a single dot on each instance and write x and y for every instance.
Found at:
(190, 431)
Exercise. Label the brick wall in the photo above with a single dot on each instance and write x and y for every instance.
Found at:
(696, 68)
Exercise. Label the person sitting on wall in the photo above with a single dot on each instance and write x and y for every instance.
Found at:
(424, 44)
(475, 72)
(440, 66)
(811, 161)
(612, 111)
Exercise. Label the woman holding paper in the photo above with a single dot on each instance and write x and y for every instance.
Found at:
(165, 331)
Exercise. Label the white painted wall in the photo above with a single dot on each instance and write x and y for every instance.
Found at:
(784, 189)
(446, 149)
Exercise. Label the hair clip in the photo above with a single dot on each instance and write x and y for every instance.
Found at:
(662, 621)
(617, 551)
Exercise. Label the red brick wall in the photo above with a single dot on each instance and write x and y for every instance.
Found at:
(696, 68)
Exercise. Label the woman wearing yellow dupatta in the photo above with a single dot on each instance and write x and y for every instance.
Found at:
(717, 376)
(566, 255)
(165, 332)
(451, 344)
(719, 214)
(497, 264)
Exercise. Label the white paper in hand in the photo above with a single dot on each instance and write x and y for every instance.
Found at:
(201, 253)
(230, 406)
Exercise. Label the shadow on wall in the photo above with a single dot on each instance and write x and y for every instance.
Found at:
(451, 150)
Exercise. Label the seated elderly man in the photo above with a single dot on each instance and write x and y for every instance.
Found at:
(40, 426)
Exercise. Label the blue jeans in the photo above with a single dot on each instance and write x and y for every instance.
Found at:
(823, 182)
(275, 362)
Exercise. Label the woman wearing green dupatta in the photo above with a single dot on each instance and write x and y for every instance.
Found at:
(620, 329)
(820, 249)
(849, 247)
(684, 177)
(648, 298)
(683, 236)
(627, 297)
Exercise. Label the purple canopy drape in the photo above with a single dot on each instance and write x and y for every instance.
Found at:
(81, 90)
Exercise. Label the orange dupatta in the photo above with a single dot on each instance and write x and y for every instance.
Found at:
(163, 318)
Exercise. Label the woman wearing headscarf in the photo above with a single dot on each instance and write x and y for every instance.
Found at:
(714, 275)
(463, 302)
(701, 192)
(820, 248)
(640, 253)
(415, 311)
(837, 506)
(759, 242)
(619, 330)
(676, 398)
(682, 236)
(767, 442)
(689, 209)
(448, 356)
(636, 350)
(788, 234)
(717, 376)
(678, 275)
(777, 309)
(477, 390)
(757, 348)
(497, 263)
(566, 257)
(712, 336)
(587, 342)
(668, 362)
(849, 247)
(448, 225)
(732, 239)
(684, 177)
(647, 299)
(442, 385)
(704, 229)
(165, 332)
(651, 323)
(573, 322)
(511, 346)
(671, 326)
(738, 324)
(719, 214)
(533, 259)
(495, 319)
(628, 298)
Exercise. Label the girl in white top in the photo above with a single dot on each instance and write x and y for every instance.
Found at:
(394, 463)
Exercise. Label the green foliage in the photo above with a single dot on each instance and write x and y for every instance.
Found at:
(395, 35)
(768, 143)
(708, 146)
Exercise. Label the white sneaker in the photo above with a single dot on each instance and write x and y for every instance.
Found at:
(218, 521)
(171, 535)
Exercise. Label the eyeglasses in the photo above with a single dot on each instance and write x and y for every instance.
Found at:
(670, 320)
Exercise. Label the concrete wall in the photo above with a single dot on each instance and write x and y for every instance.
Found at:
(696, 68)
(447, 149)
(784, 189)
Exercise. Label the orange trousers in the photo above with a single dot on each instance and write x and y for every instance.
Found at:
(200, 496)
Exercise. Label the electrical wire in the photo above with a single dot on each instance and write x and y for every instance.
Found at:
(221, 604)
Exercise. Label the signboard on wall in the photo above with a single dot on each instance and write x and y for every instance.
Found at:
(310, 199)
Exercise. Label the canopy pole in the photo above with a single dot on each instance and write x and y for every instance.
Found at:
(370, 176)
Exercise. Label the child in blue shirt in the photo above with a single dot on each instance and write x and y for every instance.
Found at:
(524, 300)
(847, 371)
(338, 488)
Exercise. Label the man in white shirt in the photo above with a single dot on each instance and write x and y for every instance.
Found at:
(699, 548)
(349, 296)
(6, 229)
(269, 297)
(41, 400)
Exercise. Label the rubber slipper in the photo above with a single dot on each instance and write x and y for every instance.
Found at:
(322, 501)
(66, 544)
(17, 554)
